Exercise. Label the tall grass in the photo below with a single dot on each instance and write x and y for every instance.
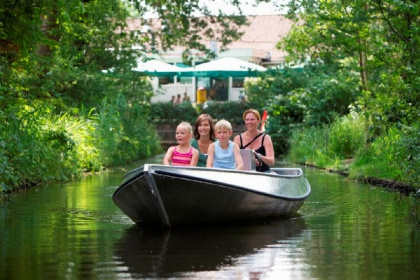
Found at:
(124, 131)
(32, 153)
(37, 145)
(329, 145)
(393, 154)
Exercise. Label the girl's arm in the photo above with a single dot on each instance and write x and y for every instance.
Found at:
(194, 159)
(238, 158)
(167, 160)
(210, 157)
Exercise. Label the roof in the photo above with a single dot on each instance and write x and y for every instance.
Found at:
(257, 44)
(263, 34)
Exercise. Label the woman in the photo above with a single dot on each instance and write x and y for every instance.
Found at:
(256, 140)
(203, 137)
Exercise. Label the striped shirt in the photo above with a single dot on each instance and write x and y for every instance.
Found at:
(181, 159)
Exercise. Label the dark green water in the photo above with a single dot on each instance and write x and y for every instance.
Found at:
(345, 230)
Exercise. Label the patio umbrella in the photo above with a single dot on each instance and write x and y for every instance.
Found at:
(157, 68)
(224, 67)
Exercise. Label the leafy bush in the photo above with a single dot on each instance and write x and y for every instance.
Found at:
(394, 155)
(168, 112)
(230, 110)
(408, 154)
(296, 98)
(37, 145)
(308, 147)
(285, 115)
(329, 145)
(378, 160)
(345, 137)
(33, 152)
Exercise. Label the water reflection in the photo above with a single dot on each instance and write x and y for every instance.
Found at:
(157, 252)
(345, 230)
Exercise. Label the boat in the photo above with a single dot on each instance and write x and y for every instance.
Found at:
(178, 195)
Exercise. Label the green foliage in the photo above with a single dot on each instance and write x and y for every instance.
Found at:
(381, 36)
(393, 155)
(275, 83)
(125, 131)
(38, 145)
(379, 160)
(305, 97)
(309, 147)
(168, 112)
(231, 111)
(31, 152)
(181, 27)
(345, 137)
(329, 145)
(408, 154)
(61, 114)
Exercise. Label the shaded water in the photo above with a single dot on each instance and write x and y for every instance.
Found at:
(345, 230)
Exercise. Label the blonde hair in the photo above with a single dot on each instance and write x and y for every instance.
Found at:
(187, 126)
(223, 124)
(252, 111)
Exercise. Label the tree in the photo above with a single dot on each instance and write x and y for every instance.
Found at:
(55, 98)
(382, 35)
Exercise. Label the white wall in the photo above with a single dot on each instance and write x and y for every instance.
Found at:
(164, 92)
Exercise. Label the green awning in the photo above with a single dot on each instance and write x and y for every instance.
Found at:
(223, 67)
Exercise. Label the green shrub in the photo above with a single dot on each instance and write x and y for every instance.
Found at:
(32, 151)
(37, 145)
(229, 110)
(168, 112)
(309, 146)
(408, 154)
(345, 137)
(378, 159)
(394, 155)
(328, 146)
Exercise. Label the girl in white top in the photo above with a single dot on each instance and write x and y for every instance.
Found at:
(224, 153)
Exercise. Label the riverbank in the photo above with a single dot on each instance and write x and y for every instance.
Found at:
(347, 146)
(391, 185)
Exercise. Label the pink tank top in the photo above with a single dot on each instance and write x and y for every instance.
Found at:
(181, 159)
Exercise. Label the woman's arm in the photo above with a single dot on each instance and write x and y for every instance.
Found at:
(210, 157)
(238, 158)
(269, 152)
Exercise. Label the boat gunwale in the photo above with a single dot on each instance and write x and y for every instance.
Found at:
(219, 183)
(223, 170)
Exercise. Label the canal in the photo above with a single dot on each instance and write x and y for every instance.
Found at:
(345, 230)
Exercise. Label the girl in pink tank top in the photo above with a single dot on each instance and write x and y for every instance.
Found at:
(183, 154)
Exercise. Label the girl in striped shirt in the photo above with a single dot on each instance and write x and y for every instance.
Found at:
(183, 154)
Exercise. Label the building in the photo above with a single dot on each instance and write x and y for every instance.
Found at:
(257, 45)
